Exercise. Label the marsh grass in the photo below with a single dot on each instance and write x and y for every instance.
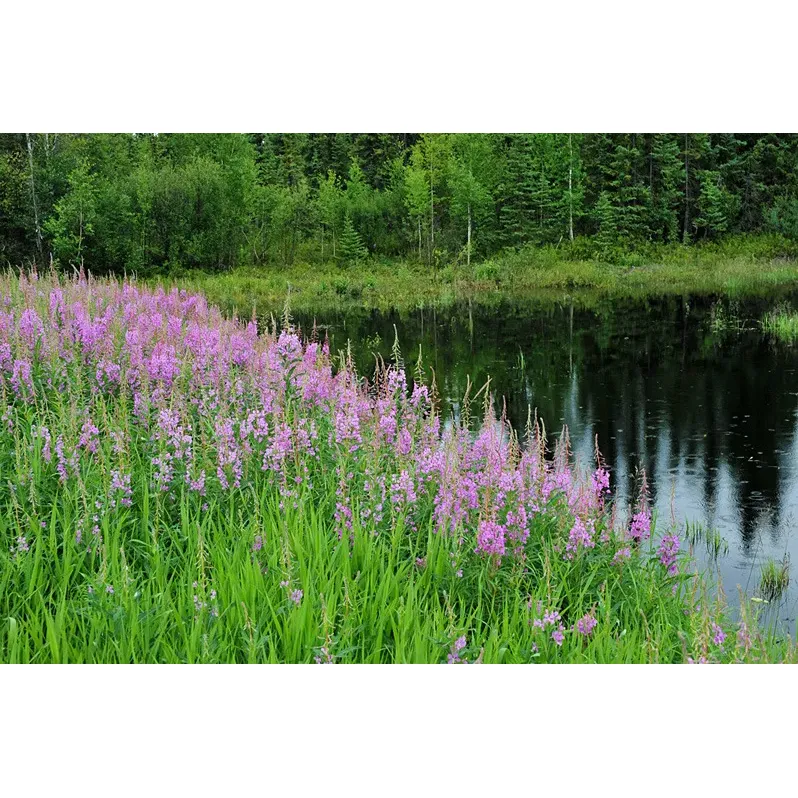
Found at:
(725, 318)
(774, 578)
(714, 543)
(782, 324)
(520, 363)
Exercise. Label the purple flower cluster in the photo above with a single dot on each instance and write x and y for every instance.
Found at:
(668, 551)
(586, 624)
(744, 637)
(22, 546)
(490, 538)
(580, 537)
(551, 618)
(640, 528)
(454, 654)
(121, 491)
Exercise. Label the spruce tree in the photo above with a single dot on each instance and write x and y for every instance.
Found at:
(667, 186)
(605, 213)
(519, 190)
(630, 197)
(715, 205)
(351, 249)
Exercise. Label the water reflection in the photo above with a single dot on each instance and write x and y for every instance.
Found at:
(710, 415)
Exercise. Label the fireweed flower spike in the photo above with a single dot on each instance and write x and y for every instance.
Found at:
(640, 528)
(668, 549)
(586, 625)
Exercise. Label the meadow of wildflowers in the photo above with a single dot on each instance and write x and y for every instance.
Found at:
(177, 486)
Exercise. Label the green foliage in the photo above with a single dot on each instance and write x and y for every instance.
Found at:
(471, 179)
(285, 219)
(783, 217)
(487, 271)
(782, 324)
(714, 543)
(521, 190)
(351, 249)
(667, 164)
(151, 203)
(16, 222)
(417, 195)
(330, 202)
(607, 237)
(72, 224)
(715, 205)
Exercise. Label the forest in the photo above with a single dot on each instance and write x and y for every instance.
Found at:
(164, 203)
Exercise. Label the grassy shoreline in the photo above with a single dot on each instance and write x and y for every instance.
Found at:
(747, 267)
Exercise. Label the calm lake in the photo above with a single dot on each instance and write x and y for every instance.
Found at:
(687, 388)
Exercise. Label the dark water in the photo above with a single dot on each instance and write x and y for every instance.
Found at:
(710, 413)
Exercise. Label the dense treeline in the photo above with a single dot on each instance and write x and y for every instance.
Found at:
(141, 202)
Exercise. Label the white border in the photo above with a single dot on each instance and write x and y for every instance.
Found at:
(423, 66)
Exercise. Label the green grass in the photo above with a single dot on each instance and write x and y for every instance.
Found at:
(774, 578)
(363, 602)
(735, 267)
(714, 543)
(782, 324)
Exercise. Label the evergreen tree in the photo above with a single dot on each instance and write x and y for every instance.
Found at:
(694, 151)
(627, 191)
(351, 249)
(572, 201)
(715, 205)
(375, 152)
(666, 187)
(518, 190)
(606, 218)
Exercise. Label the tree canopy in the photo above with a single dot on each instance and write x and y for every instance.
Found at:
(149, 203)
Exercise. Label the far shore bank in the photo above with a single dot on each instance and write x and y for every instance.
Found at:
(754, 267)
